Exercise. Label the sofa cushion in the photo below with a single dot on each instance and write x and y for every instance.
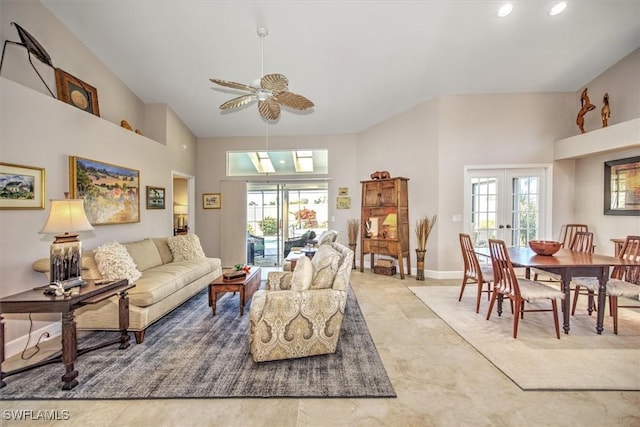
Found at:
(185, 247)
(115, 262)
(163, 248)
(159, 282)
(325, 262)
(144, 253)
(302, 274)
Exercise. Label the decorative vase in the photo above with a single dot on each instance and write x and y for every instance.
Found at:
(420, 268)
(352, 246)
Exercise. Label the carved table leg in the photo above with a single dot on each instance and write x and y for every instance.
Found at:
(123, 310)
(69, 351)
(602, 295)
(2, 383)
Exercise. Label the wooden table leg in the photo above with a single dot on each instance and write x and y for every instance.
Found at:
(242, 301)
(565, 277)
(123, 310)
(213, 299)
(602, 296)
(2, 383)
(69, 351)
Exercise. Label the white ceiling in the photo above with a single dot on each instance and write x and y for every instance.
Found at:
(360, 62)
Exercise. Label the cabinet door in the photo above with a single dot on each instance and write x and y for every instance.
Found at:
(388, 193)
(371, 194)
(382, 193)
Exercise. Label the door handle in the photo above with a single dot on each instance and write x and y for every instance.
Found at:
(508, 226)
(501, 226)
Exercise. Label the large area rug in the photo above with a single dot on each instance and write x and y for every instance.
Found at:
(536, 360)
(191, 354)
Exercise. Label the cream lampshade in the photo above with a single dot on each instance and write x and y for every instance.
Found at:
(66, 219)
(181, 211)
(391, 221)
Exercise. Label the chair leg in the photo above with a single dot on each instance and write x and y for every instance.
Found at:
(554, 306)
(516, 316)
(479, 296)
(575, 300)
(464, 283)
(493, 300)
(613, 303)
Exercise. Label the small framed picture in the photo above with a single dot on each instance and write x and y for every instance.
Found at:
(21, 187)
(74, 91)
(211, 200)
(155, 197)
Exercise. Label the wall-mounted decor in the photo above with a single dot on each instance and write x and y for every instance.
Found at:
(111, 193)
(211, 200)
(343, 202)
(21, 187)
(155, 197)
(622, 186)
(74, 91)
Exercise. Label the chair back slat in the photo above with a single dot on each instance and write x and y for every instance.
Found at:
(471, 264)
(568, 231)
(630, 251)
(582, 242)
(504, 276)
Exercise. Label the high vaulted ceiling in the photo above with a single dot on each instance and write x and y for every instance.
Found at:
(360, 62)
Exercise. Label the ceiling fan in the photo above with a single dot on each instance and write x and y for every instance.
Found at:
(271, 92)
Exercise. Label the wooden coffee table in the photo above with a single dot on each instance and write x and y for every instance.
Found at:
(246, 286)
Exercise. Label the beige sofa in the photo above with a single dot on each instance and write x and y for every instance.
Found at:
(164, 284)
(289, 323)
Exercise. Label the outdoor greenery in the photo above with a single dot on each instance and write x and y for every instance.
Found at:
(269, 226)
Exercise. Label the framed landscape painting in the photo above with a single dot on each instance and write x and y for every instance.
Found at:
(622, 186)
(111, 193)
(212, 201)
(21, 187)
(155, 197)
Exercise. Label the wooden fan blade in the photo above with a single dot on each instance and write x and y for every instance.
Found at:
(274, 82)
(269, 109)
(233, 85)
(237, 102)
(293, 100)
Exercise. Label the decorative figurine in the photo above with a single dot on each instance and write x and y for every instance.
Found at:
(606, 110)
(586, 107)
(381, 175)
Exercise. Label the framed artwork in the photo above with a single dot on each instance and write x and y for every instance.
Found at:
(622, 186)
(155, 197)
(211, 200)
(74, 91)
(111, 193)
(343, 202)
(21, 187)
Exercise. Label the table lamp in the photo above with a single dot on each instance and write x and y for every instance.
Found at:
(181, 211)
(391, 221)
(66, 217)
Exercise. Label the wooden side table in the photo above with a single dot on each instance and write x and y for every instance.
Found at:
(245, 286)
(35, 301)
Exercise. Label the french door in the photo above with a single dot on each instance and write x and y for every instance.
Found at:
(510, 204)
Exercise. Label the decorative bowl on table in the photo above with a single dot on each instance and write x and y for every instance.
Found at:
(544, 247)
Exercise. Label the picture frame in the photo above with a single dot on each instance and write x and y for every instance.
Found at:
(156, 197)
(211, 201)
(622, 186)
(111, 193)
(21, 187)
(75, 92)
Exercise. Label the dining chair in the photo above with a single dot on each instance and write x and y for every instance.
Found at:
(575, 237)
(517, 290)
(623, 282)
(473, 271)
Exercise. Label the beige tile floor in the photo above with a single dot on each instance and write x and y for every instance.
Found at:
(440, 381)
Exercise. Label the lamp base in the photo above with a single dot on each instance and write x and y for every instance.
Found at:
(65, 260)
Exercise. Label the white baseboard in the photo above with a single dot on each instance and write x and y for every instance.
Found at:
(17, 345)
(431, 274)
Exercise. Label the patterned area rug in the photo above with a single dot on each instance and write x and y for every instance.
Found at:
(191, 354)
(536, 360)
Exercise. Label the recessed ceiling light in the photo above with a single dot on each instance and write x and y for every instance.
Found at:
(505, 10)
(558, 8)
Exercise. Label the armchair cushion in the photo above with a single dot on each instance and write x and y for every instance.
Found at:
(325, 267)
(115, 262)
(302, 275)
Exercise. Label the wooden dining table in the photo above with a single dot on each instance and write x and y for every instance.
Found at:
(568, 264)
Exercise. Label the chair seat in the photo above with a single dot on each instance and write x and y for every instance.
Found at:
(531, 290)
(487, 273)
(591, 283)
(621, 288)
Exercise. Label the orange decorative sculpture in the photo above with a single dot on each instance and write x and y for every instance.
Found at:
(586, 107)
(381, 175)
(606, 110)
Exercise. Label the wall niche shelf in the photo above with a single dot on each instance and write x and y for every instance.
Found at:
(616, 137)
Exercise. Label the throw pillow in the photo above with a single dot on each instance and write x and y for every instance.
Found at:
(326, 262)
(185, 247)
(302, 274)
(115, 262)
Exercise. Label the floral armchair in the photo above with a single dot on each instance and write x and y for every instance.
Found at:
(300, 313)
